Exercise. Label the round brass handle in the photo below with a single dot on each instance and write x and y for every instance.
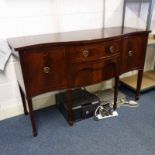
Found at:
(85, 53)
(130, 53)
(111, 49)
(46, 70)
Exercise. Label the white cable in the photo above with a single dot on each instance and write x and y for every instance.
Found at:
(97, 110)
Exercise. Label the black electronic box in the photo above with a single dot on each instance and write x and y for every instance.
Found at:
(84, 104)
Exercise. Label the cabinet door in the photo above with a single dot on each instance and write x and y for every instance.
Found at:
(133, 53)
(44, 69)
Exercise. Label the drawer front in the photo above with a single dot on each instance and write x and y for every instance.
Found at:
(95, 51)
(45, 69)
(93, 72)
(133, 53)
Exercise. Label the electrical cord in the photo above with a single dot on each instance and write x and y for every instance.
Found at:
(130, 103)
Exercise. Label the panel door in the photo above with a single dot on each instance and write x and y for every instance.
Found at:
(44, 69)
(133, 53)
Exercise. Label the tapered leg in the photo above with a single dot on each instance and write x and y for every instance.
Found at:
(23, 100)
(139, 82)
(69, 105)
(116, 92)
(34, 130)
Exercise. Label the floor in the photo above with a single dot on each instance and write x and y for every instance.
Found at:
(131, 133)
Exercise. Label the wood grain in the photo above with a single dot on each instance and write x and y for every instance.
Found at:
(74, 59)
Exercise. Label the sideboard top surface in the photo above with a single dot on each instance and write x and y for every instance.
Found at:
(26, 42)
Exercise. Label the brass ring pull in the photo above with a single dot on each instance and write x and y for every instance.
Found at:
(130, 53)
(111, 49)
(46, 70)
(85, 53)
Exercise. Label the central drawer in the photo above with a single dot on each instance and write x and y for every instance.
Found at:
(93, 51)
(87, 73)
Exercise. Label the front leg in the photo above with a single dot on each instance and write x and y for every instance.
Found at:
(69, 107)
(115, 92)
(23, 100)
(34, 130)
(139, 82)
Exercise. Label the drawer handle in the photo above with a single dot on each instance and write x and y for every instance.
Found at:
(85, 53)
(130, 53)
(46, 70)
(111, 49)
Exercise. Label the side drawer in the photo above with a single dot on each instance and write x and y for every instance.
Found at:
(44, 69)
(93, 72)
(93, 51)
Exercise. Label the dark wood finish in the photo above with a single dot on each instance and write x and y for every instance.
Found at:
(93, 52)
(93, 72)
(74, 37)
(133, 52)
(34, 130)
(69, 112)
(49, 68)
(133, 57)
(116, 92)
(74, 59)
(139, 82)
(23, 100)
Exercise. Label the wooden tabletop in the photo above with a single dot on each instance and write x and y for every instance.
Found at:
(21, 43)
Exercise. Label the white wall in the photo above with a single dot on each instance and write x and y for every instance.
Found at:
(31, 17)
(134, 18)
(153, 21)
(19, 17)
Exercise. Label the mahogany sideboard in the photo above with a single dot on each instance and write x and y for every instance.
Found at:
(63, 61)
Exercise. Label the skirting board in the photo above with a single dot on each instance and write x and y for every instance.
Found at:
(148, 81)
(42, 101)
(17, 109)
